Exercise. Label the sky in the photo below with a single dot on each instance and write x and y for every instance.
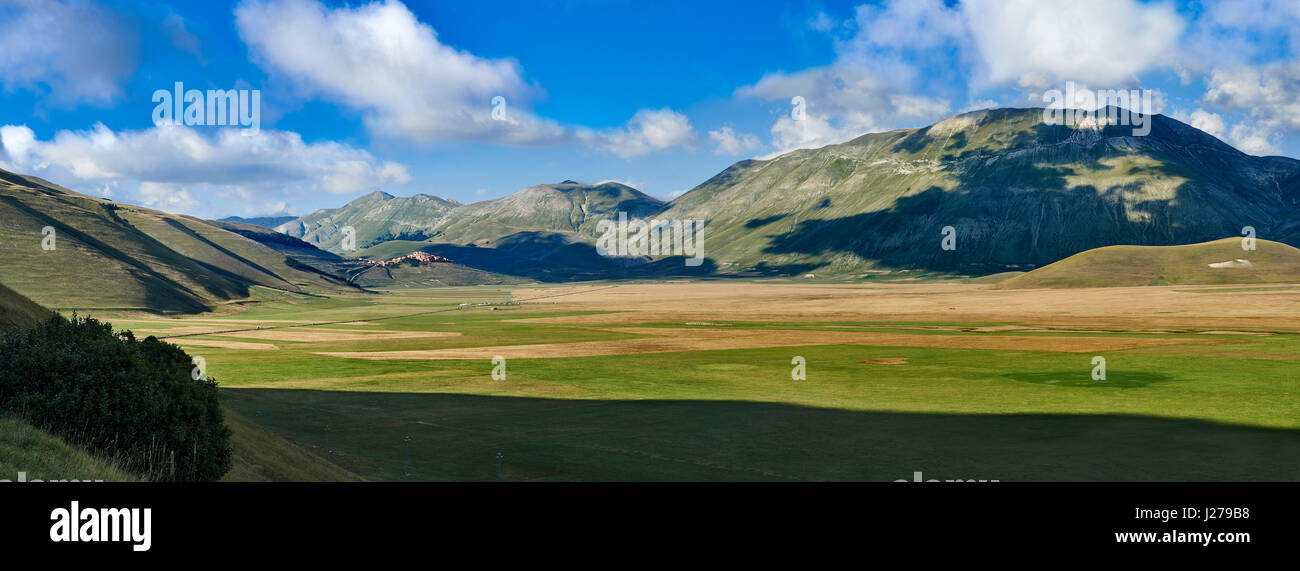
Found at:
(473, 100)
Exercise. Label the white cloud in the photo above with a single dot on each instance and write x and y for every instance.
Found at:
(1103, 42)
(175, 167)
(842, 101)
(70, 52)
(1237, 32)
(1209, 122)
(648, 131)
(378, 58)
(1267, 92)
(1253, 140)
(732, 144)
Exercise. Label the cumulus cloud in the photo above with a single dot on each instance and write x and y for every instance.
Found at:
(1238, 32)
(172, 167)
(1211, 123)
(1037, 44)
(1252, 139)
(648, 131)
(731, 144)
(1267, 92)
(70, 52)
(380, 59)
(842, 101)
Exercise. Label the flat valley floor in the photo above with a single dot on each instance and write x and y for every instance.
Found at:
(692, 380)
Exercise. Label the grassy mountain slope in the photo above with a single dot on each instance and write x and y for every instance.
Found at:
(108, 255)
(18, 312)
(1020, 193)
(44, 457)
(1270, 262)
(377, 217)
(262, 456)
(567, 207)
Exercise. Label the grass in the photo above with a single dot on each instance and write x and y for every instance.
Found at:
(1180, 412)
(1167, 265)
(262, 456)
(42, 456)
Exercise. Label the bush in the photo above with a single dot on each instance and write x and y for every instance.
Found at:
(123, 398)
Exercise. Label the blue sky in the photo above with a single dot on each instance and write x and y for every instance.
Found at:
(365, 96)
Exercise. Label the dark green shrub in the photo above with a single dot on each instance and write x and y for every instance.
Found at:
(124, 398)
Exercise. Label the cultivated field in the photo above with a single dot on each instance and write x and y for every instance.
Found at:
(692, 380)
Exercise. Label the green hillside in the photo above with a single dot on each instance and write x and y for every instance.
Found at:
(262, 456)
(1018, 192)
(112, 256)
(18, 312)
(1270, 262)
(376, 217)
(41, 456)
(566, 207)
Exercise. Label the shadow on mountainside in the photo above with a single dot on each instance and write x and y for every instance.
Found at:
(1018, 208)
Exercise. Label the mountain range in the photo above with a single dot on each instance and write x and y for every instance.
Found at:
(1018, 193)
(1008, 191)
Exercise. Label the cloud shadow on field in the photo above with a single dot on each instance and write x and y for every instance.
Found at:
(457, 436)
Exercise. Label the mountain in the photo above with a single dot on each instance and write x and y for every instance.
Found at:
(566, 207)
(1218, 262)
(101, 254)
(1018, 192)
(264, 221)
(376, 217)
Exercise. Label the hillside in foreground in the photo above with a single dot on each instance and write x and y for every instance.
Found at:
(42, 456)
(1112, 266)
(67, 250)
(17, 312)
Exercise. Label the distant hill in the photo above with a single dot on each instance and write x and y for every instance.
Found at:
(1270, 262)
(109, 255)
(376, 217)
(566, 207)
(264, 221)
(18, 312)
